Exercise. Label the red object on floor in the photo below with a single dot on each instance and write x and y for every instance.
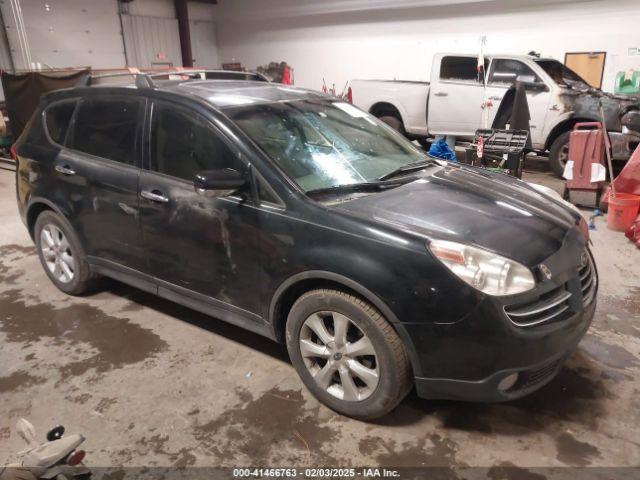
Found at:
(586, 147)
(629, 179)
(623, 211)
(633, 233)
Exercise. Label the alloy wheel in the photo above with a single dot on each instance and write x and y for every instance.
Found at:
(56, 252)
(339, 356)
(564, 155)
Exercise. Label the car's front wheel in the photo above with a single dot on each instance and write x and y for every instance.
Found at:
(347, 354)
(61, 254)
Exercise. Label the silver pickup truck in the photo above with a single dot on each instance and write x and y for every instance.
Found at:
(458, 102)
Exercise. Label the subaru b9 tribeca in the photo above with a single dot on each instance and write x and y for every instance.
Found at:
(302, 218)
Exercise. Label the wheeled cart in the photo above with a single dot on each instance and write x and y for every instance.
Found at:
(586, 148)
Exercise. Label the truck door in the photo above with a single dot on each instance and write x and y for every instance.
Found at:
(502, 75)
(456, 96)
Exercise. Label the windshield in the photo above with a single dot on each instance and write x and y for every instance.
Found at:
(562, 75)
(325, 143)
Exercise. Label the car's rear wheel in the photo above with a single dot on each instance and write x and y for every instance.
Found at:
(347, 354)
(394, 122)
(61, 254)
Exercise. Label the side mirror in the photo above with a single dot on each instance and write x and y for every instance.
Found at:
(531, 83)
(219, 183)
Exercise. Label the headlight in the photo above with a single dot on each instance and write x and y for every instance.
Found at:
(483, 270)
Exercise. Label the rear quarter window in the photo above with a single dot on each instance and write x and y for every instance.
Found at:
(57, 118)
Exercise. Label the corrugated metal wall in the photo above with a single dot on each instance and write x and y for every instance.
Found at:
(151, 41)
(6, 62)
(64, 33)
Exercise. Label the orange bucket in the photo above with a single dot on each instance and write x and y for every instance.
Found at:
(623, 210)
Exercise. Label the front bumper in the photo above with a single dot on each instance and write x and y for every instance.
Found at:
(530, 334)
(623, 144)
(530, 378)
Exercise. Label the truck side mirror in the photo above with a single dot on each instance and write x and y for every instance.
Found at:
(530, 82)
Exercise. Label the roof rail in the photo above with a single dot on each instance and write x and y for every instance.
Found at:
(145, 79)
(142, 79)
(217, 74)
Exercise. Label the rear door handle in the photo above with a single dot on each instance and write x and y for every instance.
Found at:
(495, 98)
(154, 196)
(65, 169)
(441, 94)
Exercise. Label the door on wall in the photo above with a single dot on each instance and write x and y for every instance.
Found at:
(203, 44)
(589, 66)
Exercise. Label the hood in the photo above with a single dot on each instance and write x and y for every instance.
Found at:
(586, 104)
(473, 206)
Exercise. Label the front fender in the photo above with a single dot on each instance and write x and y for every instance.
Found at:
(360, 290)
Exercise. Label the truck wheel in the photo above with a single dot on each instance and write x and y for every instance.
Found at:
(347, 354)
(559, 154)
(395, 123)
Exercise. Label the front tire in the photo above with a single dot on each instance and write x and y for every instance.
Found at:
(559, 154)
(61, 254)
(347, 354)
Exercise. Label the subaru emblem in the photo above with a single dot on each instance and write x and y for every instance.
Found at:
(545, 271)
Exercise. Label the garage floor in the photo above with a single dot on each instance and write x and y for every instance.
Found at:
(151, 383)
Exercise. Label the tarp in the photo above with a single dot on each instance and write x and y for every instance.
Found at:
(440, 149)
(22, 92)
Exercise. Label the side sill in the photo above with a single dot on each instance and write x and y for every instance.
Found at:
(196, 301)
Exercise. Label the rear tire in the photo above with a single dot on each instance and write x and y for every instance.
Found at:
(61, 254)
(559, 154)
(395, 123)
(339, 370)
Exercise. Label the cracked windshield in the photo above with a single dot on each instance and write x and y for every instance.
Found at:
(323, 144)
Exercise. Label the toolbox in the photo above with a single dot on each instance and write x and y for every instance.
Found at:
(499, 150)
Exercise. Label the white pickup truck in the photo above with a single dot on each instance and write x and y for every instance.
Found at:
(454, 102)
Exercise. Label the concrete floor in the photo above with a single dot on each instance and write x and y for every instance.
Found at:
(152, 383)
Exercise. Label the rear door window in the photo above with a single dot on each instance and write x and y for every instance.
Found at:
(57, 119)
(107, 128)
(461, 69)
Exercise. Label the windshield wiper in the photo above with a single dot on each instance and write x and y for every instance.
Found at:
(356, 187)
(410, 167)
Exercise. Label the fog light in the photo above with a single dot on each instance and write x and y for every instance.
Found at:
(507, 382)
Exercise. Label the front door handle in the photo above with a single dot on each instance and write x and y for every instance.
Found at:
(65, 169)
(154, 196)
(441, 94)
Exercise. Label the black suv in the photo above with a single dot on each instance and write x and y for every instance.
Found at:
(302, 218)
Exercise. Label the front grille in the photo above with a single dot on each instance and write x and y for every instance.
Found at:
(533, 377)
(557, 304)
(547, 308)
(588, 282)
